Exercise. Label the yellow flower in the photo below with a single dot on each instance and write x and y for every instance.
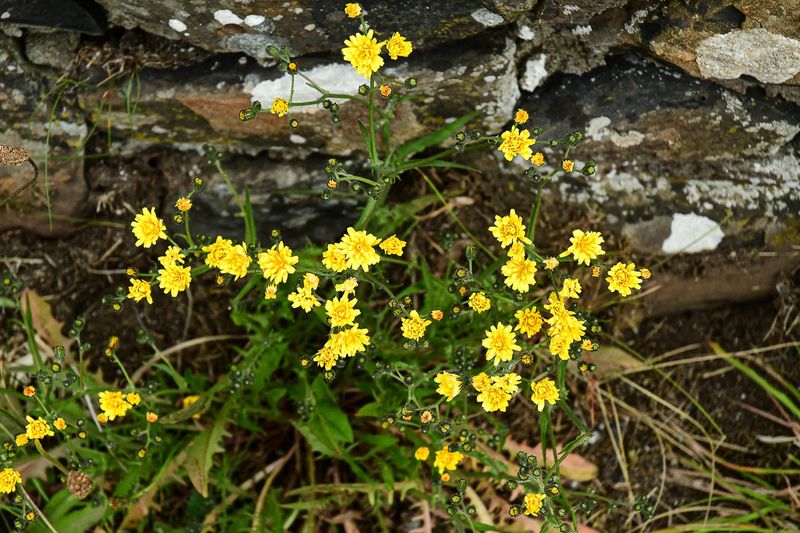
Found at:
(481, 381)
(517, 251)
(326, 358)
(537, 159)
(310, 281)
(550, 263)
(38, 429)
(445, 477)
(188, 401)
(559, 346)
(171, 257)
(585, 246)
(277, 263)
(341, 311)
(9, 478)
(364, 53)
(563, 322)
(271, 292)
(645, 273)
(508, 382)
(622, 278)
(479, 302)
(529, 321)
(516, 142)
(587, 345)
(521, 116)
(183, 204)
(509, 229)
(359, 251)
(133, 398)
(567, 165)
(493, 398)
(21, 439)
(29, 391)
(102, 418)
(422, 453)
(148, 228)
(570, 289)
(60, 424)
(437, 314)
(174, 279)
(393, 245)
(334, 258)
(352, 10)
(235, 261)
(279, 107)
(152, 417)
(113, 404)
(595, 271)
(414, 326)
(348, 286)
(501, 343)
(350, 341)
(519, 273)
(385, 90)
(449, 385)
(303, 299)
(398, 46)
(447, 460)
(544, 390)
(217, 251)
(533, 503)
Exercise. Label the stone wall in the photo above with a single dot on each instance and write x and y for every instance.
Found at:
(691, 107)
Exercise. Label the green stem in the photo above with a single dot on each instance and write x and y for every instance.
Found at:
(373, 150)
(124, 372)
(49, 457)
(373, 204)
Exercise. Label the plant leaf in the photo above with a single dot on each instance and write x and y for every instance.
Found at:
(44, 322)
(200, 452)
(414, 146)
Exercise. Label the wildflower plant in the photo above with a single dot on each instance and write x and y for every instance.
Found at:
(434, 363)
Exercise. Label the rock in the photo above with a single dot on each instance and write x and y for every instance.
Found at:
(767, 57)
(54, 49)
(305, 26)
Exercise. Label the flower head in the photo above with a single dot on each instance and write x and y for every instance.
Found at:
(437, 314)
(533, 503)
(174, 279)
(570, 289)
(38, 428)
(516, 142)
(544, 390)
(279, 107)
(622, 278)
(113, 404)
(447, 460)
(59, 424)
(29, 391)
(493, 398)
(551, 263)
(567, 165)
(277, 263)
(271, 292)
(521, 116)
(398, 46)
(359, 249)
(519, 273)
(334, 258)
(326, 358)
(341, 311)
(152, 417)
(21, 439)
(348, 286)
(349, 341)
(422, 453)
(364, 53)
(235, 261)
(479, 302)
(393, 246)
(449, 385)
(509, 229)
(9, 479)
(303, 299)
(414, 326)
(148, 228)
(481, 381)
(183, 204)
(171, 257)
(585, 246)
(500, 343)
(352, 10)
(217, 251)
(529, 321)
(537, 159)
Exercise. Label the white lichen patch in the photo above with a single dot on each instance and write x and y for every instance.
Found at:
(582, 31)
(335, 77)
(535, 73)
(598, 130)
(691, 233)
(177, 25)
(570, 9)
(226, 16)
(5, 15)
(768, 57)
(487, 18)
(525, 33)
(297, 139)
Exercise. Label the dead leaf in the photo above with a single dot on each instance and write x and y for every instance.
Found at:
(574, 465)
(612, 361)
(43, 320)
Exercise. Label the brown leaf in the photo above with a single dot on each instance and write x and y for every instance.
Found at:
(43, 320)
(574, 466)
(612, 361)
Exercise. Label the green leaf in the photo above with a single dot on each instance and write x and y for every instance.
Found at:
(316, 438)
(372, 409)
(200, 452)
(445, 164)
(336, 421)
(67, 513)
(249, 221)
(437, 137)
(365, 134)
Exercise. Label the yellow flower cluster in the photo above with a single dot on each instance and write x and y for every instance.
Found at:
(496, 391)
(449, 385)
(116, 404)
(414, 326)
(9, 479)
(363, 50)
(544, 391)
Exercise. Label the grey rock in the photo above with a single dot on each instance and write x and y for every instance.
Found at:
(54, 49)
(767, 57)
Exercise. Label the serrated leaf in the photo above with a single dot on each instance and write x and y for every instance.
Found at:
(43, 320)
